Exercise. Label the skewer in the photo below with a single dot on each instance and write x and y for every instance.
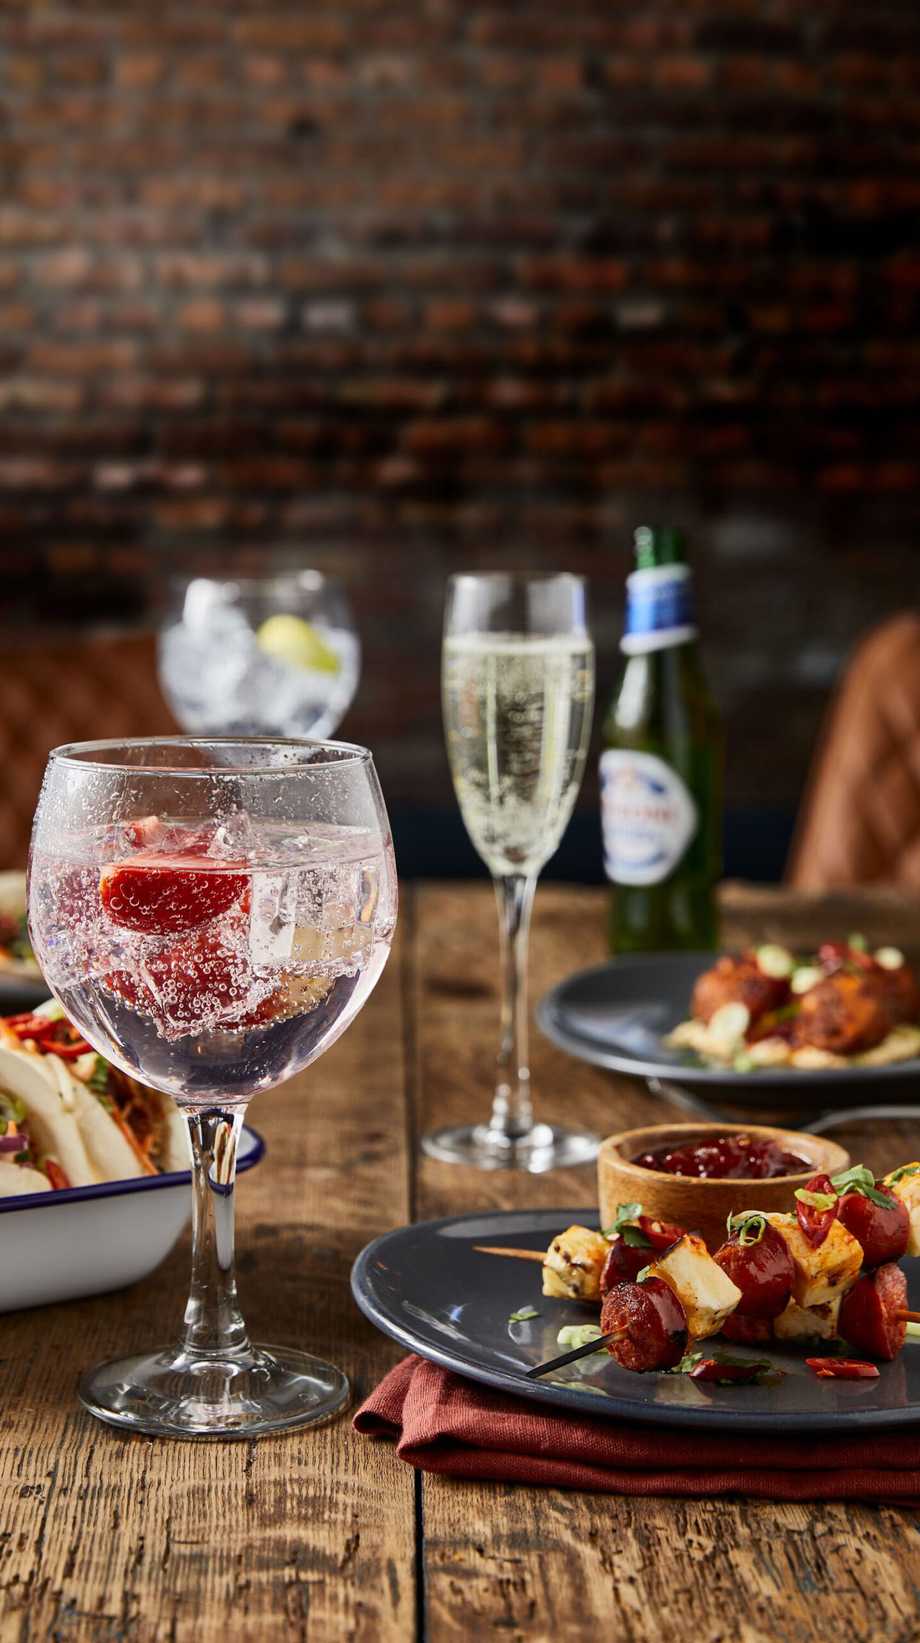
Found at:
(518, 1254)
(908, 1317)
(576, 1353)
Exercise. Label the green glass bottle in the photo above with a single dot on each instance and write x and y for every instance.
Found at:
(661, 765)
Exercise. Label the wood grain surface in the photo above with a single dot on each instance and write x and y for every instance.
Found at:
(324, 1535)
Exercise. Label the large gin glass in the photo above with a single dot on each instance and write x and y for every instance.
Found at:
(212, 914)
(518, 692)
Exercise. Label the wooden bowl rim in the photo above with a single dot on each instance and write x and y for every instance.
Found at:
(835, 1157)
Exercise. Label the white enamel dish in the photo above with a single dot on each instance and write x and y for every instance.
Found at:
(57, 1246)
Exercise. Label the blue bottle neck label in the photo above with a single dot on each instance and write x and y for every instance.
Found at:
(659, 609)
(648, 817)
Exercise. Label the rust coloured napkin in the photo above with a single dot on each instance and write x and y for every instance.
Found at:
(442, 1423)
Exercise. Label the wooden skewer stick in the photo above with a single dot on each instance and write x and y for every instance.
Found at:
(517, 1254)
(576, 1353)
(908, 1317)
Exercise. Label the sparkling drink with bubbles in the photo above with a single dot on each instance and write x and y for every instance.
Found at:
(212, 914)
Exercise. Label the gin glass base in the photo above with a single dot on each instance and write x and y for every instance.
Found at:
(545, 1147)
(175, 1394)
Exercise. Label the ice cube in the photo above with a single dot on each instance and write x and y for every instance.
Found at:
(235, 838)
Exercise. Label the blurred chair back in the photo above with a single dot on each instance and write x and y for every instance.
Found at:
(64, 691)
(860, 817)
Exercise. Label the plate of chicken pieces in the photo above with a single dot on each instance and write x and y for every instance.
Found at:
(766, 1018)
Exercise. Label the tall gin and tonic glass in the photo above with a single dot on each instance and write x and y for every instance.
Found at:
(212, 914)
(518, 692)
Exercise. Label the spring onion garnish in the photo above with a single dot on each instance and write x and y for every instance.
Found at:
(524, 1315)
(816, 1200)
(578, 1334)
(748, 1226)
(901, 1174)
(858, 942)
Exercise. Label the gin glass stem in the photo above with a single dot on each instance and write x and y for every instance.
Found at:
(213, 1324)
(512, 1115)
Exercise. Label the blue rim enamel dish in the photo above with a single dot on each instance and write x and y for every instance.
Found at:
(428, 1288)
(617, 1016)
(251, 1151)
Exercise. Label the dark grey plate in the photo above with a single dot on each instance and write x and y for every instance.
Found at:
(617, 1015)
(428, 1287)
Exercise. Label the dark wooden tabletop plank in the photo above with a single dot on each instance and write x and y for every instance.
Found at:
(546, 1564)
(307, 1535)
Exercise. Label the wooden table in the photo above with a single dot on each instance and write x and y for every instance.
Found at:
(324, 1535)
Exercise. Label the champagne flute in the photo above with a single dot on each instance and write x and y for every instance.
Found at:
(212, 914)
(518, 692)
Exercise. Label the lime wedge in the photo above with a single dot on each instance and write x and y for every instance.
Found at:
(291, 640)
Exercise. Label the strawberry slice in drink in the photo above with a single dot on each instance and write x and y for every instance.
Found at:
(158, 895)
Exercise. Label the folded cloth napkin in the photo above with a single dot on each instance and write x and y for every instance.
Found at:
(443, 1423)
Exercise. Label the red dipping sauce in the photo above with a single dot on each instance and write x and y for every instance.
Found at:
(726, 1158)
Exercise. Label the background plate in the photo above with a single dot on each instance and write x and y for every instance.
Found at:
(428, 1287)
(617, 1015)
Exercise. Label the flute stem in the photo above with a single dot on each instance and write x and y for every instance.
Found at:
(512, 1114)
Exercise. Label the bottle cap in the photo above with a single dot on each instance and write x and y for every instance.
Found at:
(658, 545)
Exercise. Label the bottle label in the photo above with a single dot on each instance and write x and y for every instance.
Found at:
(648, 817)
(659, 609)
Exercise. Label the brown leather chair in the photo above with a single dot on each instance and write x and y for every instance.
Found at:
(860, 818)
(63, 691)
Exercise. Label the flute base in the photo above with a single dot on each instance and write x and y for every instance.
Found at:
(545, 1147)
(242, 1394)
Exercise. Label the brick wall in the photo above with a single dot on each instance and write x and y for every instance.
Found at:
(407, 286)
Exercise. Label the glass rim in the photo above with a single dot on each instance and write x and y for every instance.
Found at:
(308, 577)
(521, 577)
(71, 753)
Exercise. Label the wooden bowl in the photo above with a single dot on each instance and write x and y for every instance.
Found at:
(702, 1206)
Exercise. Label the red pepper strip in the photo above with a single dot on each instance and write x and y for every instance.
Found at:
(817, 1223)
(41, 1030)
(68, 1052)
(55, 1175)
(34, 1026)
(660, 1234)
(710, 1369)
(842, 1369)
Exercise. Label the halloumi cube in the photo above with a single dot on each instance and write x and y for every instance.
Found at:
(572, 1265)
(822, 1274)
(807, 1323)
(705, 1292)
(908, 1190)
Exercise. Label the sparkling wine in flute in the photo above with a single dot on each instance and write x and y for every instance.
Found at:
(518, 692)
(517, 714)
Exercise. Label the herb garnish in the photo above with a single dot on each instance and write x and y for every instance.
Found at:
(98, 1080)
(524, 1315)
(624, 1226)
(860, 1179)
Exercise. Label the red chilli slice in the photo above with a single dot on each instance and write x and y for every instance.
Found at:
(842, 1369)
(158, 896)
(816, 1223)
